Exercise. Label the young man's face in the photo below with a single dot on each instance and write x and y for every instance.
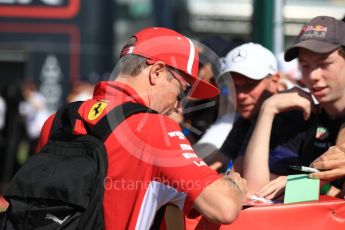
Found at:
(250, 94)
(324, 75)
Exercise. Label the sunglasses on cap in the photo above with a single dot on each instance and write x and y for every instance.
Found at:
(183, 93)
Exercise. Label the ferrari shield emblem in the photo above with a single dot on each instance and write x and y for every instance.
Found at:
(96, 110)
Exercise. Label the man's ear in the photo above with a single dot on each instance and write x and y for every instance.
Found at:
(155, 71)
(275, 77)
(274, 82)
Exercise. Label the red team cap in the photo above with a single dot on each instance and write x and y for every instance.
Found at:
(175, 50)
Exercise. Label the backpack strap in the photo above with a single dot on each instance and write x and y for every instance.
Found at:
(66, 117)
(114, 117)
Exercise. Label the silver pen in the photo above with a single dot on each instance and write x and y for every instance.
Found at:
(304, 168)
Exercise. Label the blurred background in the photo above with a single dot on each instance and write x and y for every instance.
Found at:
(54, 51)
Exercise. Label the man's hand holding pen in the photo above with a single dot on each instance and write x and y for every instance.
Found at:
(332, 164)
(236, 181)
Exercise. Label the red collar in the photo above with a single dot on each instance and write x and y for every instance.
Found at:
(112, 90)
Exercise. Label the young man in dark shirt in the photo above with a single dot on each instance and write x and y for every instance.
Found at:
(321, 54)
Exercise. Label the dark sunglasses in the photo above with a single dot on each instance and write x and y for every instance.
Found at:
(183, 93)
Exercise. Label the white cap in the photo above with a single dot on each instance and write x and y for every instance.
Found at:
(251, 60)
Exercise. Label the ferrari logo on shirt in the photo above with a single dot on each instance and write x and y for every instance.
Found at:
(96, 110)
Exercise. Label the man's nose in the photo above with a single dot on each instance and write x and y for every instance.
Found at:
(241, 95)
(315, 73)
(178, 106)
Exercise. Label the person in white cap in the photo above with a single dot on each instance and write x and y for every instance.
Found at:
(254, 71)
(320, 49)
(150, 161)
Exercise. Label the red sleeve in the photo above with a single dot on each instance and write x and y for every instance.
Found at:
(45, 132)
(174, 159)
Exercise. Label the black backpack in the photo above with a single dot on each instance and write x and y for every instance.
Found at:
(61, 187)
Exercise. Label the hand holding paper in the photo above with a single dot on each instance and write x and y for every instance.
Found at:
(301, 188)
(273, 189)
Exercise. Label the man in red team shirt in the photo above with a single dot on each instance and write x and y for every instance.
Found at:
(150, 162)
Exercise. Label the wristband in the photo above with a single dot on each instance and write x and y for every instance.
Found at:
(325, 188)
(235, 184)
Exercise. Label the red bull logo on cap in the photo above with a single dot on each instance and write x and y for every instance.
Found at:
(314, 31)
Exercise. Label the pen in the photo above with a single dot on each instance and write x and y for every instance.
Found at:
(229, 168)
(304, 168)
